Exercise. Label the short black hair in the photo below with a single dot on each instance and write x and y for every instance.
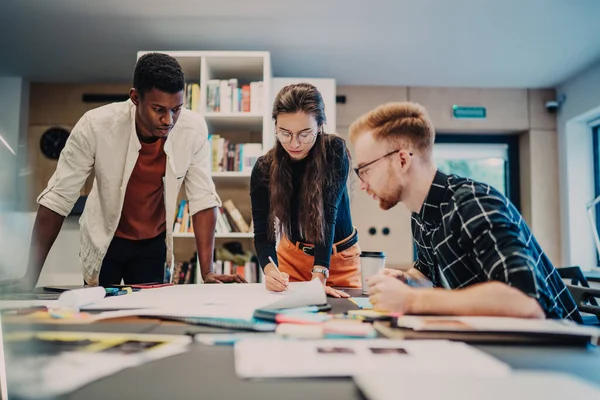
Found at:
(160, 71)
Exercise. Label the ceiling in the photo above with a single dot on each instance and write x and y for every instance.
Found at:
(467, 43)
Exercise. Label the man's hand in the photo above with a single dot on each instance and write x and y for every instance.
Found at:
(390, 294)
(275, 281)
(396, 273)
(329, 291)
(411, 277)
(211, 277)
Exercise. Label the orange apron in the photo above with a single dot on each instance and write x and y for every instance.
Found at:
(344, 267)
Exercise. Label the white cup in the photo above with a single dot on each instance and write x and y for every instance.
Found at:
(371, 262)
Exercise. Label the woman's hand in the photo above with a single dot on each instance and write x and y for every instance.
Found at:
(329, 291)
(275, 281)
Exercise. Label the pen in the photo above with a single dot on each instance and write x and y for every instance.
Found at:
(276, 267)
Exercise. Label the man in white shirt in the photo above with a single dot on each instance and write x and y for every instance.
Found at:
(141, 151)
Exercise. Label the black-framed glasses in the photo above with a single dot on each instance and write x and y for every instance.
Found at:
(361, 172)
(303, 137)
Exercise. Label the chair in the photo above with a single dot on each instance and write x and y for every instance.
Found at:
(584, 296)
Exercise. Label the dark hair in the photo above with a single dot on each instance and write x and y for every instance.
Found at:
(305, 98)
(160, 71)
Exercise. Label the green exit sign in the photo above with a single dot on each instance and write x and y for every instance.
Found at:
(460, 112)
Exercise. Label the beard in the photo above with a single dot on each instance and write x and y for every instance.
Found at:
(386, 204)
(390, 200)
(391, 192)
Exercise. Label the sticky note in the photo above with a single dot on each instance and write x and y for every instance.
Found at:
(362, 302)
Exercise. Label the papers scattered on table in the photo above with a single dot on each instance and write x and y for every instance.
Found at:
(219, 301)
(49, 364)
(346, 357)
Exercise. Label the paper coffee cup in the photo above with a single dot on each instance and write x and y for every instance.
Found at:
(371, 262)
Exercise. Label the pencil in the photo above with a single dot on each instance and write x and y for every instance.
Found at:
(276, 267)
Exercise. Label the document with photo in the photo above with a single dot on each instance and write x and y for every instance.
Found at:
(345, 357)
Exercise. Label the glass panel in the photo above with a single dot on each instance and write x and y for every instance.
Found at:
(486, 163)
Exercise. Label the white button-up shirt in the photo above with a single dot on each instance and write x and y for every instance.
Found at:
(105, 140)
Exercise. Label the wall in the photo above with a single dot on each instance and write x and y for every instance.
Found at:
(510, 111)
(576, 167)
(58, 105)
(538, 151)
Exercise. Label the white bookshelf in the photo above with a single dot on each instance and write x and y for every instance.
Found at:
(225, 121)
(246, 66)
(236, 126)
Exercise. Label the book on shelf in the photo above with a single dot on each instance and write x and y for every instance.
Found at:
(249, 271)
(230, 157)
(184, 273)
(229, 219)
(238, 221)
(192, 96)
(183, 222)
(229, 96)
(189, 272)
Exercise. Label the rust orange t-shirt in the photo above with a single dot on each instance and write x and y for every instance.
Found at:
(143, 214)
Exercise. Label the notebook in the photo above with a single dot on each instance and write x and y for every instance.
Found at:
(256, 325)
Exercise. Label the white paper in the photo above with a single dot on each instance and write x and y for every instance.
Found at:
(299, 294)
(346, 357)
(224, 301)
(496, 324)
(386, 385)
(77, 298)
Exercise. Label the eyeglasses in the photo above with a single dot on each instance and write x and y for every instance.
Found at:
(362, 173)
(303, 137)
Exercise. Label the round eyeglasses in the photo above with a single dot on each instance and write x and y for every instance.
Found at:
(302, 137)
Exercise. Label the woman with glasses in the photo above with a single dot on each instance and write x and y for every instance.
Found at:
(299, 194)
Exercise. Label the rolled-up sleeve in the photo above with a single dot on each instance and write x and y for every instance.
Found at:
(74, 166)
(199, 186)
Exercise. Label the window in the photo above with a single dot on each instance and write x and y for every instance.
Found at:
(481, 162)
(491, 159)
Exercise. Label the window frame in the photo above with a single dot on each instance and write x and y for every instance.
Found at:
(512, 169)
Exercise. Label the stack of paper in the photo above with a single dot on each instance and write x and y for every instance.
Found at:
(490, 330)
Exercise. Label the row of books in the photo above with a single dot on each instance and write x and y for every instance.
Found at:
(186, 272)
(229, 219)
(191, 99)
(228, 156)
(249, 271)
(227, 96)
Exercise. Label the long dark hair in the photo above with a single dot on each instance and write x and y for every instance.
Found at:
(305, 98)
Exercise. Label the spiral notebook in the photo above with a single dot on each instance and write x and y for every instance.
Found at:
(253, 324)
